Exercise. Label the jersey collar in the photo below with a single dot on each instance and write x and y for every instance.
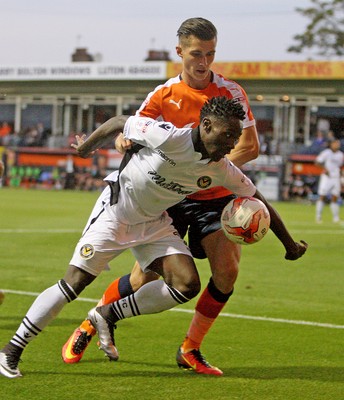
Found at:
(211, 77)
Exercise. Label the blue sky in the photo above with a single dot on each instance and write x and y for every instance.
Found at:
(122, 31)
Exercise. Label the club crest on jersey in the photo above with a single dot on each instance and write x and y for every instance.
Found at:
(203, 182)
(87, 251)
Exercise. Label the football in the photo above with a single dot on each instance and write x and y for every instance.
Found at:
(245, 220)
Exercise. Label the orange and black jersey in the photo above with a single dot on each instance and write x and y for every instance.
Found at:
(176, 102)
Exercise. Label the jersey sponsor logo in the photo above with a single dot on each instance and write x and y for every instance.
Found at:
(239, 99)
(203, 182)
(176, 103)
(165, 126)
(172, 186)
(87, 251)
(142, 124)
(164, 156)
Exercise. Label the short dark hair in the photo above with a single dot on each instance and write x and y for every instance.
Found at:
(199, 27)
(222, 107)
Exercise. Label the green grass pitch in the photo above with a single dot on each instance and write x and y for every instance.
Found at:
(279, 337)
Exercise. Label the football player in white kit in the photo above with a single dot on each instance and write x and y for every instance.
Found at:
(2, 168)
(168, 164)
(331, 159)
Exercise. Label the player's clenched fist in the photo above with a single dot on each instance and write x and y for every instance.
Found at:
(297, 252)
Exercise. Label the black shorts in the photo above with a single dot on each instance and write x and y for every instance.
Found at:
(199, 219)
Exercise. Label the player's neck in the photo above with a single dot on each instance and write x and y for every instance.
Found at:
(194, 83)
(198, 144)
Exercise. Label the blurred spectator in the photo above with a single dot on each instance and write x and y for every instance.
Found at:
(69, 177)
(5, 130)
(319, 143)
(99, 172)
(299, 188)
(12, 139)
(323, 125)
(32, 137)
(264, 142)
(300, 136)
(93, 179)
(42, 135)
(330, 137)
(320, 140)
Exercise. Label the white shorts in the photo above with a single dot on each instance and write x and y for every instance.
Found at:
(329, 186)
(104, 238)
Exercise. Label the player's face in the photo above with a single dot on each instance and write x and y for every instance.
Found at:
(220, 137)
(197, 56)
(335, 145)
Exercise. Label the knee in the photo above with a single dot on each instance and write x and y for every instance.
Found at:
(225, 267)
(78, 279)
(193, 289)
(224, 278)
(189, 288)
(179, 272)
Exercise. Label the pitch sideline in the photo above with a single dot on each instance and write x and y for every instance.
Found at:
(228, 315)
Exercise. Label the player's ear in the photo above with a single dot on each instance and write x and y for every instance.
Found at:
(179, 51)
(207, 124)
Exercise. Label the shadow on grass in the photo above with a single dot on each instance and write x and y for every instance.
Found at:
(305, 373)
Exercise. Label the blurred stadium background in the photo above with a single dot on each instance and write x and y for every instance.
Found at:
(298, 106)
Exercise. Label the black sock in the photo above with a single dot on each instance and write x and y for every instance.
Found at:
(124, 286)
(216, 294)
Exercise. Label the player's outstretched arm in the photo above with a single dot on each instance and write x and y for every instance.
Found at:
(101, 136)
(294, 250)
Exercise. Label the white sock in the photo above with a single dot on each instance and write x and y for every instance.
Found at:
(42, 311)
(319, 205)
(335, 210)
(151, 298)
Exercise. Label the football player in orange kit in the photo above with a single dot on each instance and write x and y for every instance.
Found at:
(179, 101)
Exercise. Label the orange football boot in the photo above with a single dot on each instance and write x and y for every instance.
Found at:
(74, 348)
(195, 361)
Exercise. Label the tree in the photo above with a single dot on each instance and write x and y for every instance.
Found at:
(324, 35)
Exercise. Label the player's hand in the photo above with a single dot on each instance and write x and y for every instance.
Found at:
(79, 141)
(297, 252)
(122, 144)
